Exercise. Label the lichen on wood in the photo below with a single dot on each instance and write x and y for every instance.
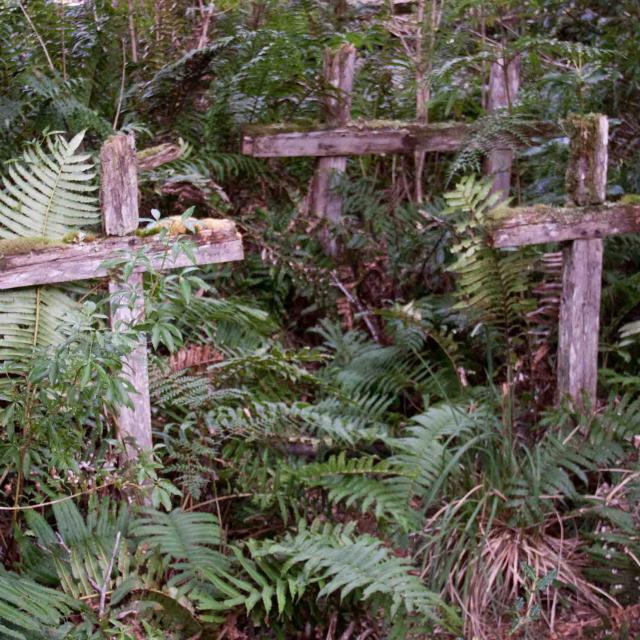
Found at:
(176, 226)
(154, 157)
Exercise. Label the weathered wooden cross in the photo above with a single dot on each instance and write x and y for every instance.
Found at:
(340, 137)
(583, 223)
(119, 195)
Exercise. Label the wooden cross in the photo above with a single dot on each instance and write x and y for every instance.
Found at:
(583, 223)
(119, 195)
(340, 137)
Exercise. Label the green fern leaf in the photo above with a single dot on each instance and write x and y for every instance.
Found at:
(45, 195)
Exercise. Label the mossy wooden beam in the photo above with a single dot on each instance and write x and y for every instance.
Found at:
(84, 261)
(154, 157)
(541, 224)
(354, 140)
(365, 138)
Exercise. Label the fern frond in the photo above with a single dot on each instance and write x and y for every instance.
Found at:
(423, 453)
(31, 319)
(492, 285)
(375, 486)
(29, 611)
(187, 541)
(47, 195)
(343, 563)
(80, 549)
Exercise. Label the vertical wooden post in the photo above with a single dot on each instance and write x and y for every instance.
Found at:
(323, 200)
(257, 15)
(340, 9)
(586, 184)
(119, 197)
(504, 82)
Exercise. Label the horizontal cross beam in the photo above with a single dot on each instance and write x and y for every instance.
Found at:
(364, 138)
(85, 261)
(540, 224)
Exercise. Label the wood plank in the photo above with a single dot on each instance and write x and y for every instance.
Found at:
(154, 157)
(119, 185)
(127, 310)
(578, 337)
(523, 226)
(353, 140)
(586, 178)
(504, 82)
(66, 263)
(580, 321)
(364, 138)
(119, 199)
(324, 201)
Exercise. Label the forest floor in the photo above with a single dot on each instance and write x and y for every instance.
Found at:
(618, 624)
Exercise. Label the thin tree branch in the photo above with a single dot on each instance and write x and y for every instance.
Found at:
(366, 314)
(37, 35)
(107, 576)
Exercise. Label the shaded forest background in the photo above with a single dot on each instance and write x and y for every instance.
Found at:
(347, 447)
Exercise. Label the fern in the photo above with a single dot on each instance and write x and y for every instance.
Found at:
(343, 563)
(29, 611)
(376, 486)
(48, 195)
(492, 286)
(331, 560)
(500, 130)
(44, 196)
(79, 551)
(186, 541)
(30, 319)
(387, 488)
(261, 583)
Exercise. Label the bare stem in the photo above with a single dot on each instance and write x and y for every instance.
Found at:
(37, 35)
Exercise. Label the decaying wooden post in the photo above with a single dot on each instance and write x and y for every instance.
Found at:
(504, 82)
(323, 200)
(119, 196)
(586, 183)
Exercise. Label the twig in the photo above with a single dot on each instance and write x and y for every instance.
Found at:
(107, 576)
(132, 32)
(62, 543)
(220, 499)
(29, 507)
(332, 626)
(121, 94)
(37, 35)
(206, 13)
(359, 306)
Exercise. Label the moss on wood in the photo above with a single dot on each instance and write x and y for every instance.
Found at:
(583, 133)
(355, 125)
(14, 246)
(630, 198)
